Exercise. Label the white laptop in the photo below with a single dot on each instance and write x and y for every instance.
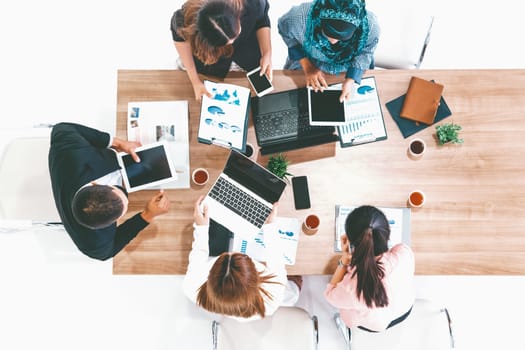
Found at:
(155, 167)
(242, 197)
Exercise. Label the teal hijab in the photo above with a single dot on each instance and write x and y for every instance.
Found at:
(335, 58)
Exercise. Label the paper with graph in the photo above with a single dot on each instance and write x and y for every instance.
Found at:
(364, 116)
(279, 243)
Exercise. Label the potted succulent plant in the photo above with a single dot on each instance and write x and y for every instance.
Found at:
(448, 133)
(278, 165)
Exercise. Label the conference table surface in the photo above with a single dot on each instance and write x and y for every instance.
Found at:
(472, 223)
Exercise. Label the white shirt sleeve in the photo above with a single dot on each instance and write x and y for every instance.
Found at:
(199, 263)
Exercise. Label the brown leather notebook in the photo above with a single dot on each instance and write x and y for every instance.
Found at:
(422, 100)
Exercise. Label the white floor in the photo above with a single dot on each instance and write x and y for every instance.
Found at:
(59, 62)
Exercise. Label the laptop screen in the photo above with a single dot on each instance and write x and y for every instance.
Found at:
(254, 177)
(281, 101)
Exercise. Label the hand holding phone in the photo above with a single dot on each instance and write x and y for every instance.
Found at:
(260, 83)
(301, 195)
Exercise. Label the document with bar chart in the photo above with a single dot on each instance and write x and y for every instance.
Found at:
(364, 115)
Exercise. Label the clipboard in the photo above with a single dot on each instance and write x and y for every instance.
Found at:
(399, 219)
(224, 116)
(365, 122)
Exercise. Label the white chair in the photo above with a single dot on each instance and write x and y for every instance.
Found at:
(427, 327)
(25, 184)
(288, 328)
(405, 34)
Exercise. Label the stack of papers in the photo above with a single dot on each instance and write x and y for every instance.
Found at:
(153, 121)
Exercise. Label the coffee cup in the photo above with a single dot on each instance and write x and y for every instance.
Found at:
(416, 199)
(311, 224)
(249, 150)
(416, 148)
(200, 176)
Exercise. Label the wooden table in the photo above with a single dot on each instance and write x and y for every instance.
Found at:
(474, 218)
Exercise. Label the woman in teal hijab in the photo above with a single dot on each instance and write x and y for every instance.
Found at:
(330, 36)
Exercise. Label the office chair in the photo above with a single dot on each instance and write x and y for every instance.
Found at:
(25, 183)
(427, 327)
(288, 328)
(405, 34)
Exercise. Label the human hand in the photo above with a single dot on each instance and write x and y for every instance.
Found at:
(346, 92)
(157, 205)
(314, 76)
(346, 257)
(201, 217)
(199, 89)
(266, 66)
(273, 214)
(127, 147)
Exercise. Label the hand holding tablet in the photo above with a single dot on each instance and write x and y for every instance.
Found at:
(155, 167)
(324, 107)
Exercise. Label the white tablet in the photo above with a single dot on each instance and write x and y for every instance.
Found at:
(155, 167)
(324, 107)
(261, 84)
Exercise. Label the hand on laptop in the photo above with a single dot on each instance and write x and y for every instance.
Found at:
(157, 205)
(314, 76)
(200, 213)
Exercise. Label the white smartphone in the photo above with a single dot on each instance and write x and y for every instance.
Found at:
(260, 83)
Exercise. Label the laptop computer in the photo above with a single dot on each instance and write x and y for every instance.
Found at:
(242, 197)
(282, 122)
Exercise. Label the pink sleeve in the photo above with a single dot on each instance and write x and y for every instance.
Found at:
(399, 254)
(340, 295)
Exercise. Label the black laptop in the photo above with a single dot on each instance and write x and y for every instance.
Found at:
(282, 123)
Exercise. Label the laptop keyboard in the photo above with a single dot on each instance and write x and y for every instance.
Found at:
(240, 202)
(283, 124)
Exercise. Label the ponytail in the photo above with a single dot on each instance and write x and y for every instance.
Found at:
(368, 230)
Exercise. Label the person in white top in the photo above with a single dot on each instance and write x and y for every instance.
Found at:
(233, 284)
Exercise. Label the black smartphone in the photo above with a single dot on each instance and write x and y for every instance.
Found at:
(301, 196)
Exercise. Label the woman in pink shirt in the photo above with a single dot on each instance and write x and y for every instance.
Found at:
(372, 286)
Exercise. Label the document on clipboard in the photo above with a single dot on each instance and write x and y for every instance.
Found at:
(364, 116)
(398, 219)
(224, 116)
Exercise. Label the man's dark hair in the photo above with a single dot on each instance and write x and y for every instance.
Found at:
(97, 206)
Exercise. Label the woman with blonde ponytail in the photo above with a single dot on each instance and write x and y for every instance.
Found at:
(372, 286)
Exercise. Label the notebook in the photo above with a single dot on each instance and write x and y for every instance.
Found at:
(421, 101)
(155, 167)
(281, 122)
(242, 197)
(409, 127)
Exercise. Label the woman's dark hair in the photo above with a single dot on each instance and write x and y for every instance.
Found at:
(218, 23)
(368, 231)
(97, 206)
(209, 25)
(234, 287)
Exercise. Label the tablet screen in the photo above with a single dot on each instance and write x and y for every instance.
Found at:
(325, 108)
(154, 168)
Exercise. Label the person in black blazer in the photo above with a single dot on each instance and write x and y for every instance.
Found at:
(82, 160)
